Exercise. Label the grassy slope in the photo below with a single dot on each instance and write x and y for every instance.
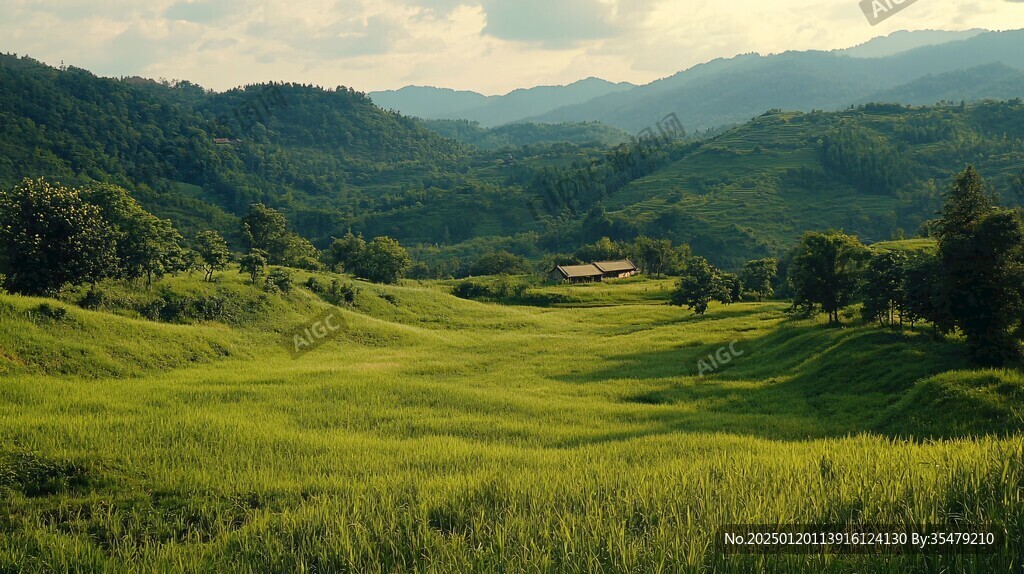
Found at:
(448, 435)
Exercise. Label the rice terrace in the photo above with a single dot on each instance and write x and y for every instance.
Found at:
(764, 314)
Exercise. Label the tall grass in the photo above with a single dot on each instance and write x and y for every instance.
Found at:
(442, 435)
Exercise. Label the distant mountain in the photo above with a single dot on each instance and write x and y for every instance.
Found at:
(992, 81)
(428, 102)
(903, 40)
(731, 91)
(490, 111)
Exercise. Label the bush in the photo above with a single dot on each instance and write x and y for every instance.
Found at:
(316, 286)
(504, 288)
(344, 292)
(54, 312)
(280, 280)
(94, 299)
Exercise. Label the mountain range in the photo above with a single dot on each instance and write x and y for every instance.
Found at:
(491, 111)
(910, 67)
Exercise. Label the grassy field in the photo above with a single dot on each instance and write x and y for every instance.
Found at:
(443, 435)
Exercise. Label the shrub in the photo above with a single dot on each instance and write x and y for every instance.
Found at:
(93, 299)
(280, 280)
(344, 291)
(54, 312)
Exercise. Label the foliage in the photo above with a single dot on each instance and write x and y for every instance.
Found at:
(253, 264)
(732, 289)
(51, 237)
(700, 284)
(758, 277)
(213, 251)
(656, 256)
(145, 245)
(344, 253)
(823, 272)
(383, 261)
(884, 288)
(500, 263)
(982, 251)
(280, 280)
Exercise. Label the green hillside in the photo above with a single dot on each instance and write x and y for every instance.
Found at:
(331, 161)
(756, 188)
(321, 156)
(525, 134)
(436, 434)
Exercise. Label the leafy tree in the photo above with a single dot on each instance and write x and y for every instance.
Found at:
(254, 264)
(345, 253)
(265, 229)
(383, 261)
(758, 277)
(923, 293)
(213, 251)
(732, 289)
(603, 249)
(50, 237)
(981, 250)
(146, 246)
(500, 263)
(699, 285)
(883, 287)
(654, 256)
(298, 252)
(824, 271)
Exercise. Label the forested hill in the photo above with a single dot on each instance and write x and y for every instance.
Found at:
(319, 155)
(332, 161)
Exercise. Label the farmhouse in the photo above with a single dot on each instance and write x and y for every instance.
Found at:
(594, 272)
(577, 273)
(617, 269)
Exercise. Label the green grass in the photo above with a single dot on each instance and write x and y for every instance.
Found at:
(907, 246)
(442, 435)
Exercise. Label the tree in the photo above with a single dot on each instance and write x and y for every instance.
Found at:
(50, 237)
(966, 203)
(758, 276)
(344, 253)
(883, 287)
(699, 285)
(981, 254)
(824, 271)
(298, 252)
(603, 249)
(654, 256)
(254, 264)
(383, 261)
(145, 245)
(264, 229)
(732, 289)
(213, 251)
(923, 292)
(500, 263)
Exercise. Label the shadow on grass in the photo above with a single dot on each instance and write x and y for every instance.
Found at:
(800, 381)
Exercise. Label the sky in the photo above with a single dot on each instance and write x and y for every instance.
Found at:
(488, 46)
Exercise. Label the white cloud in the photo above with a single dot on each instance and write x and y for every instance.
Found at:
(491, 46)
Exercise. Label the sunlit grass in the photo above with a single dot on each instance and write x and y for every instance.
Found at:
(442, 435)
